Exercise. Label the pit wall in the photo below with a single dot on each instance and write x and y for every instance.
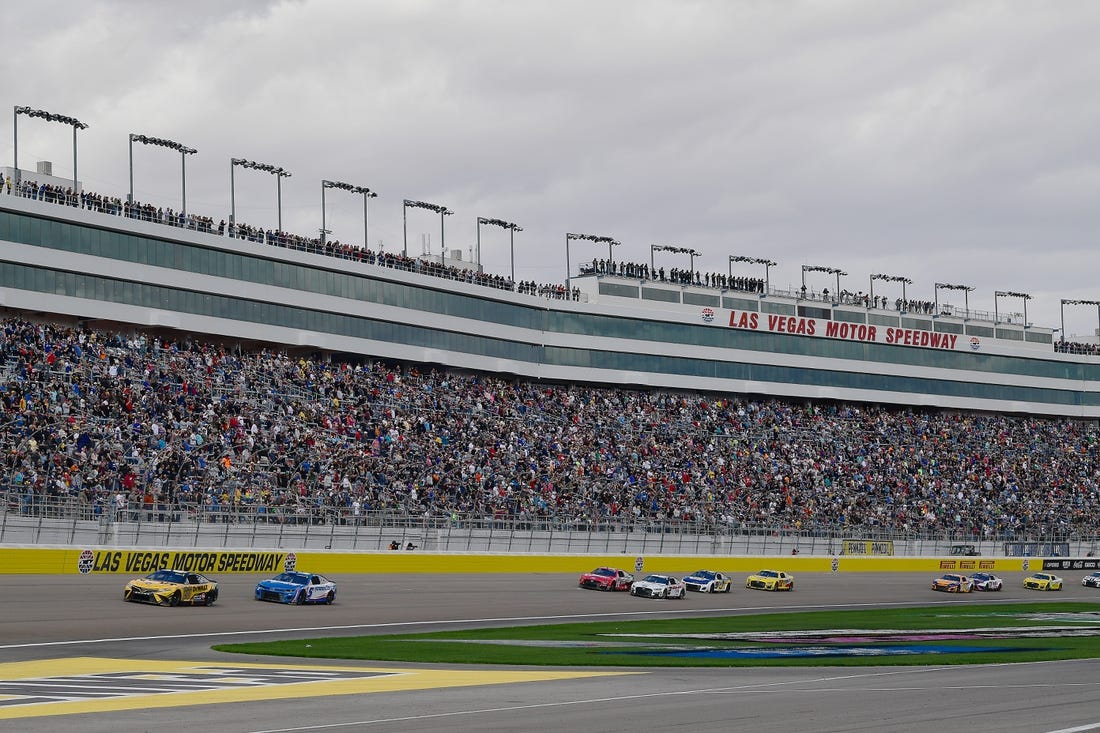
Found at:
(103, 560)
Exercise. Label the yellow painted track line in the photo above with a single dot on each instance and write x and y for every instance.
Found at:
(52, 677)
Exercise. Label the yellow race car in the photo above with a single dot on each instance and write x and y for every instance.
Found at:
(171, 588)
(770, 580)
(1043, 581)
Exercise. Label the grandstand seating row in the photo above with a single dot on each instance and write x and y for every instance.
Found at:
(110, 420)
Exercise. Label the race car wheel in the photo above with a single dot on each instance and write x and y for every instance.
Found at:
(728, 588)
(211, 597)
(174, 599)
(330, 598)
(300, 599)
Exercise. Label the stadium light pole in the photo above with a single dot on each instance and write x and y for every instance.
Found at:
(512, 229)
(966, 295)
(443, 240)
(441, 210)
(48, 117)
(894, 279)
(1066, 302)
(610, 241)
(672, 248)
(183, 150)
(1009, 294)
(768, 264)
(367, 194)
(820, 268)
(278, 172)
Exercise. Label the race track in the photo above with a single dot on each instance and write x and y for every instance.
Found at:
(82, 620)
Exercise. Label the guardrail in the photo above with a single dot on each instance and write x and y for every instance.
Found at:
(74, 523)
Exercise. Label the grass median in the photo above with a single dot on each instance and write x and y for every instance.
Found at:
(962, 634)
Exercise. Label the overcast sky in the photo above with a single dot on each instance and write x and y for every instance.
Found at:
(949, 141)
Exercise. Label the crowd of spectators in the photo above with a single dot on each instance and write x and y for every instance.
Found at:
(674, 275)
(1076, 347)
(118, 423)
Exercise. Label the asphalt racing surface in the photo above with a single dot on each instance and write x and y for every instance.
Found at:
(90, 662)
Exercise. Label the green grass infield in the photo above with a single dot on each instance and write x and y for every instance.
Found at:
(964, 634)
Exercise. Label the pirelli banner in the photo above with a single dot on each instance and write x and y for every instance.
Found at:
(878, 548)
(139, 562)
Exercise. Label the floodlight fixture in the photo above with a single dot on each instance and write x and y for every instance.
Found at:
(279, 172)
(672, 248)
(997, 294)
(1068, 301)
(48, 117)
(891, 279)
(437, 208)
(966, 290)
(599, 239)
(822, 268)
(350, 188)
(512, 229)
(183, 150)
(768, 264)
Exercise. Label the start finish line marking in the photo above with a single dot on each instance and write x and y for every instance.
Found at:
(92, 684)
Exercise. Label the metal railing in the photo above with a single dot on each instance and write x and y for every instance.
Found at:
(29, 519)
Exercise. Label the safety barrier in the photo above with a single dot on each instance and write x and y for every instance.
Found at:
(99, 560)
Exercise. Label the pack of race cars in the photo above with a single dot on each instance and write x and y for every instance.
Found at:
(712, 581)
(175, 587)
(956, 583)
(669, 586)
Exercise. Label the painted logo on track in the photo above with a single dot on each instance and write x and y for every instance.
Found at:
(804, 652)
(73, 685)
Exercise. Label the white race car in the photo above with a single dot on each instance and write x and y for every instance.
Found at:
(986, 581)
(658, 586)
(708, 581)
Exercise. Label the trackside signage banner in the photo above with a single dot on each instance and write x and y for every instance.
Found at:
(1065, 563)
(803, 326)
(868, 547)
(62, 561)
(146, 561)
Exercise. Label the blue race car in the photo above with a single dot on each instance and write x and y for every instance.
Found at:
(297, 587)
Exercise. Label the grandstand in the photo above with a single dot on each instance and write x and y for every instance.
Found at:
(164, 369)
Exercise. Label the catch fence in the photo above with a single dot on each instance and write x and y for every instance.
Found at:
(26, 520)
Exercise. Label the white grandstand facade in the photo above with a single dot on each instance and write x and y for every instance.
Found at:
(106, 270)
